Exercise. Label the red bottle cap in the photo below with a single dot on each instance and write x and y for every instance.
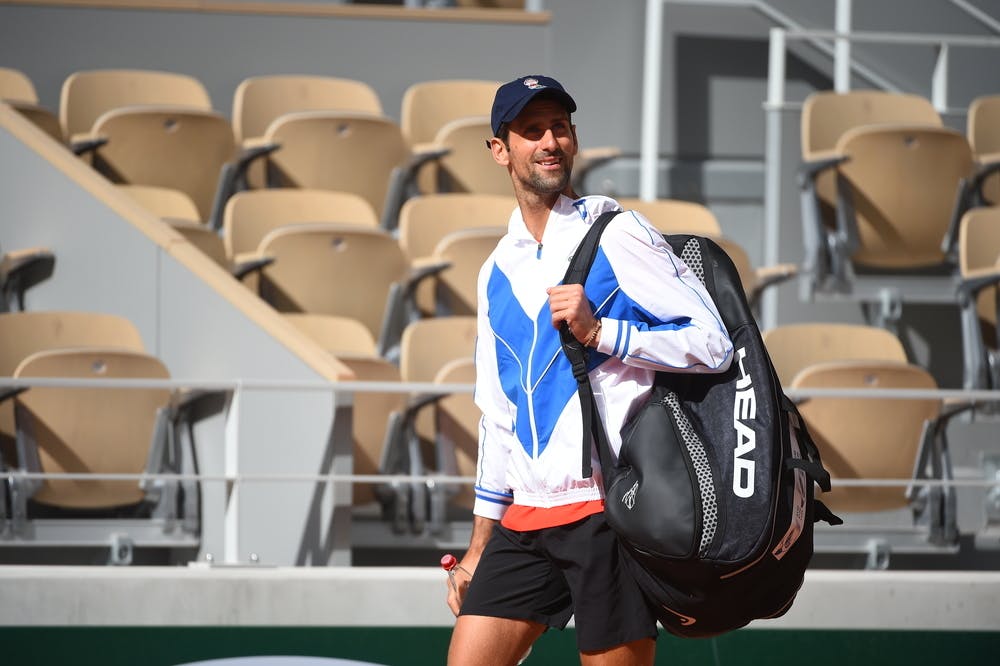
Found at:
(448, 562)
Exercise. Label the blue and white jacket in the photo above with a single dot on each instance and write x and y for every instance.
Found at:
(655, 313)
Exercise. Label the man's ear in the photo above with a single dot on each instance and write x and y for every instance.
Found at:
(576, 142)
(499, 152)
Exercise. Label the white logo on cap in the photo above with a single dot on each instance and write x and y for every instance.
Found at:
(533, 84)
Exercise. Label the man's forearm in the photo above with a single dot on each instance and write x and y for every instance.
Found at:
(482, 529)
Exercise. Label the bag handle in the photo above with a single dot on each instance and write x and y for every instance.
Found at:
(579, 267)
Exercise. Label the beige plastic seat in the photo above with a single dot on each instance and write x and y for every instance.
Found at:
(414, 443)
(425, 220)
(672, 216)
(174, 147)
(17, 90)
(903, 181)
(794, 347)
(98, 431)
(867, 438)
(464, 252)
(337, 269)
(25, 333)
(163, 202)
(468, 166)
(364, 154)
(426, 346)
(458, 420)
(251, 215)
(87, 95)
(880, 180)
(430, 105)
(259, 100)
(983, 132)
(979, 266)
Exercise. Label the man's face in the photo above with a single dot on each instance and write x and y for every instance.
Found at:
(541, 147)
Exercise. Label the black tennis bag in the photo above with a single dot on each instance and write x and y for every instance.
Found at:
(712, 493)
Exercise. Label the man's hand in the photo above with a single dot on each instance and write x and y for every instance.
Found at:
(569, 304)
(458, 584)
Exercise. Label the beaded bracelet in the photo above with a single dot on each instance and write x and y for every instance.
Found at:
(593, 334)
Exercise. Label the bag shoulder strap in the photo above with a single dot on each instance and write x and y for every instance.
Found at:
(579, 267)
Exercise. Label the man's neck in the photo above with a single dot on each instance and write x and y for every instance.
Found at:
(535, 211)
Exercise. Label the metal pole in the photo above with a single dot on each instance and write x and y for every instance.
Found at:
(772, 167)
(652, 76)
(231, 466)
(842, 48)
(939, 82)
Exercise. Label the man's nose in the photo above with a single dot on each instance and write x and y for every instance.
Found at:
(548, 141)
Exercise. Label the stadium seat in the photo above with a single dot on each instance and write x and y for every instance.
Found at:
(463, 254)
(175, 147)
(250, 215)
(979, 266)
(870, 438)
(349, 152)
(983, 132)
(25, 333)
(99, 431)
(882, 190)
(17, 90)
(671, 216)
(416, 442)
(259, 100)
(155, 128)
(87, 95)
(467, 166)
(430, 105)
(426, 219)
(793, 347)
(343, 270)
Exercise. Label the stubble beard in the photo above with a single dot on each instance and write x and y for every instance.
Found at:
(550, 183)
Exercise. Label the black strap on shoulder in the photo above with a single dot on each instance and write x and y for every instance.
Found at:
(579, 267)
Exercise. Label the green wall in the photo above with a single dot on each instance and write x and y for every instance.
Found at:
(166, 646)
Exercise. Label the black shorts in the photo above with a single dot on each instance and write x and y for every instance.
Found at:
(549, 575)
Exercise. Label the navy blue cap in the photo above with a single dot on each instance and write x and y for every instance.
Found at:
(513, 96)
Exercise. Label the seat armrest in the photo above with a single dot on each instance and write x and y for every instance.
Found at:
(232, 177)
(86, 143)
(23, 269)
(245, 263)
(400, 307)
(402, 179)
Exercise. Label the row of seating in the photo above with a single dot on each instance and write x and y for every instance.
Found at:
(66, 430)
(890, 194)
(160, 128)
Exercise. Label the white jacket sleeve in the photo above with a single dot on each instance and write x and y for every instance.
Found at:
(672, 324)
(496, 435)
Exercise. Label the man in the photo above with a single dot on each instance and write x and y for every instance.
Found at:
(540, 549)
